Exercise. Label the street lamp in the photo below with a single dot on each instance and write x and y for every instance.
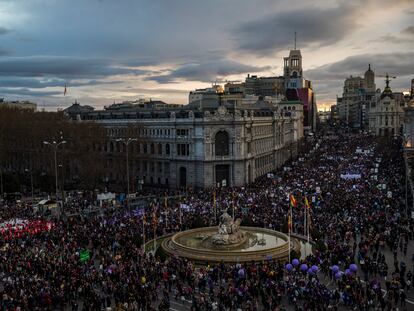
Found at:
(55, 145)
(126, 142)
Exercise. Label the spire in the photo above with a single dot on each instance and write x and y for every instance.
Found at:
(369, 66)
(295, 40)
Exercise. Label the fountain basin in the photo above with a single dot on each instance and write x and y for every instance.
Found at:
(259, 244)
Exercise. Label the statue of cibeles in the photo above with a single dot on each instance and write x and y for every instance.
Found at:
(228, 231)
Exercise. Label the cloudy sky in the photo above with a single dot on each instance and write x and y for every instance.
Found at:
(114, 50)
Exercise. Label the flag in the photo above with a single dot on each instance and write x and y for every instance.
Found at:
(289, 222)
(292, 201)
(307, 203)
(84, 255)
(65, 91)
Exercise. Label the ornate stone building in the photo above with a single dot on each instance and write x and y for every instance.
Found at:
(387, 113)
(187, 147)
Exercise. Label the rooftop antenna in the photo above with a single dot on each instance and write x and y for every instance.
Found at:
(295, 40)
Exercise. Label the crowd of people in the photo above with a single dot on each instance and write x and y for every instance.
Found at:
(354, 185)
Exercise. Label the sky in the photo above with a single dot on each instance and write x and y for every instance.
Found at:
(109, 51)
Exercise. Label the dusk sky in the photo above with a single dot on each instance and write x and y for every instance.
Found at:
(115, 50)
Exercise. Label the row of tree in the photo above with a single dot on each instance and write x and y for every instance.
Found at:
(23, 154)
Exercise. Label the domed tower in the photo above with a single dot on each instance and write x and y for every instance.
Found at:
(369, 79)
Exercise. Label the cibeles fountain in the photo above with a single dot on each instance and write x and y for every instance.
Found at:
(229, 242)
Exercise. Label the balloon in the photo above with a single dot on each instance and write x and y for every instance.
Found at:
(303, 267)
(310, 271)
(348, 272)
(315, 268)
(241, 273)
(295, 262)
(289, 267)
(335, 269)
(338, 275)
(353, 267)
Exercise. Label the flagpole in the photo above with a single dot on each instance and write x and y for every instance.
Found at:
(179, 209)
(143, 232)
(166, 212)
(305, 224)
(308, 224)
(215, 207)
(290, 226)
(233, 205)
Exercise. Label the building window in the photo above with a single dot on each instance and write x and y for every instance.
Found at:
(222, 143)
(145, 148)
(167, 149)
(152, 149)
(182, 132)
(159, 149)
(183, 149)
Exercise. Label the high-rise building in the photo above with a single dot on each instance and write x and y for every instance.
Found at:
(358, 95)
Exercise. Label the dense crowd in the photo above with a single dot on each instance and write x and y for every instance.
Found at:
(355, 188)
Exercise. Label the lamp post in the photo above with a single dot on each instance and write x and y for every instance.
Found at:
(55, 145)
(126, 142)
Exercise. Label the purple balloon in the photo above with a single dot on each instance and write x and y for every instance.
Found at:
(303, 267)
(241, 273)
(289, 267)
(338, 275)
(315, 268)
(310, 271)
(348, 272)
(335, 269)
(295, 262)
(353, 267)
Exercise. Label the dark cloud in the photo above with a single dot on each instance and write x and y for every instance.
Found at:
(4, 31)
(409, 30)
(39, 83)
(207, 71)
(328, 80)
(4, 52)
(315, 26)
(154, 91)
(27, 92)
(63, 67)
(400, 64)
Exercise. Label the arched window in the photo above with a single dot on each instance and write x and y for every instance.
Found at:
(152, 149)
(222, 143)
(159, 149)
(167, 149)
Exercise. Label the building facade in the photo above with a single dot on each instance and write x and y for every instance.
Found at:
(386, 114)
(180, 148)
(357, 97)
